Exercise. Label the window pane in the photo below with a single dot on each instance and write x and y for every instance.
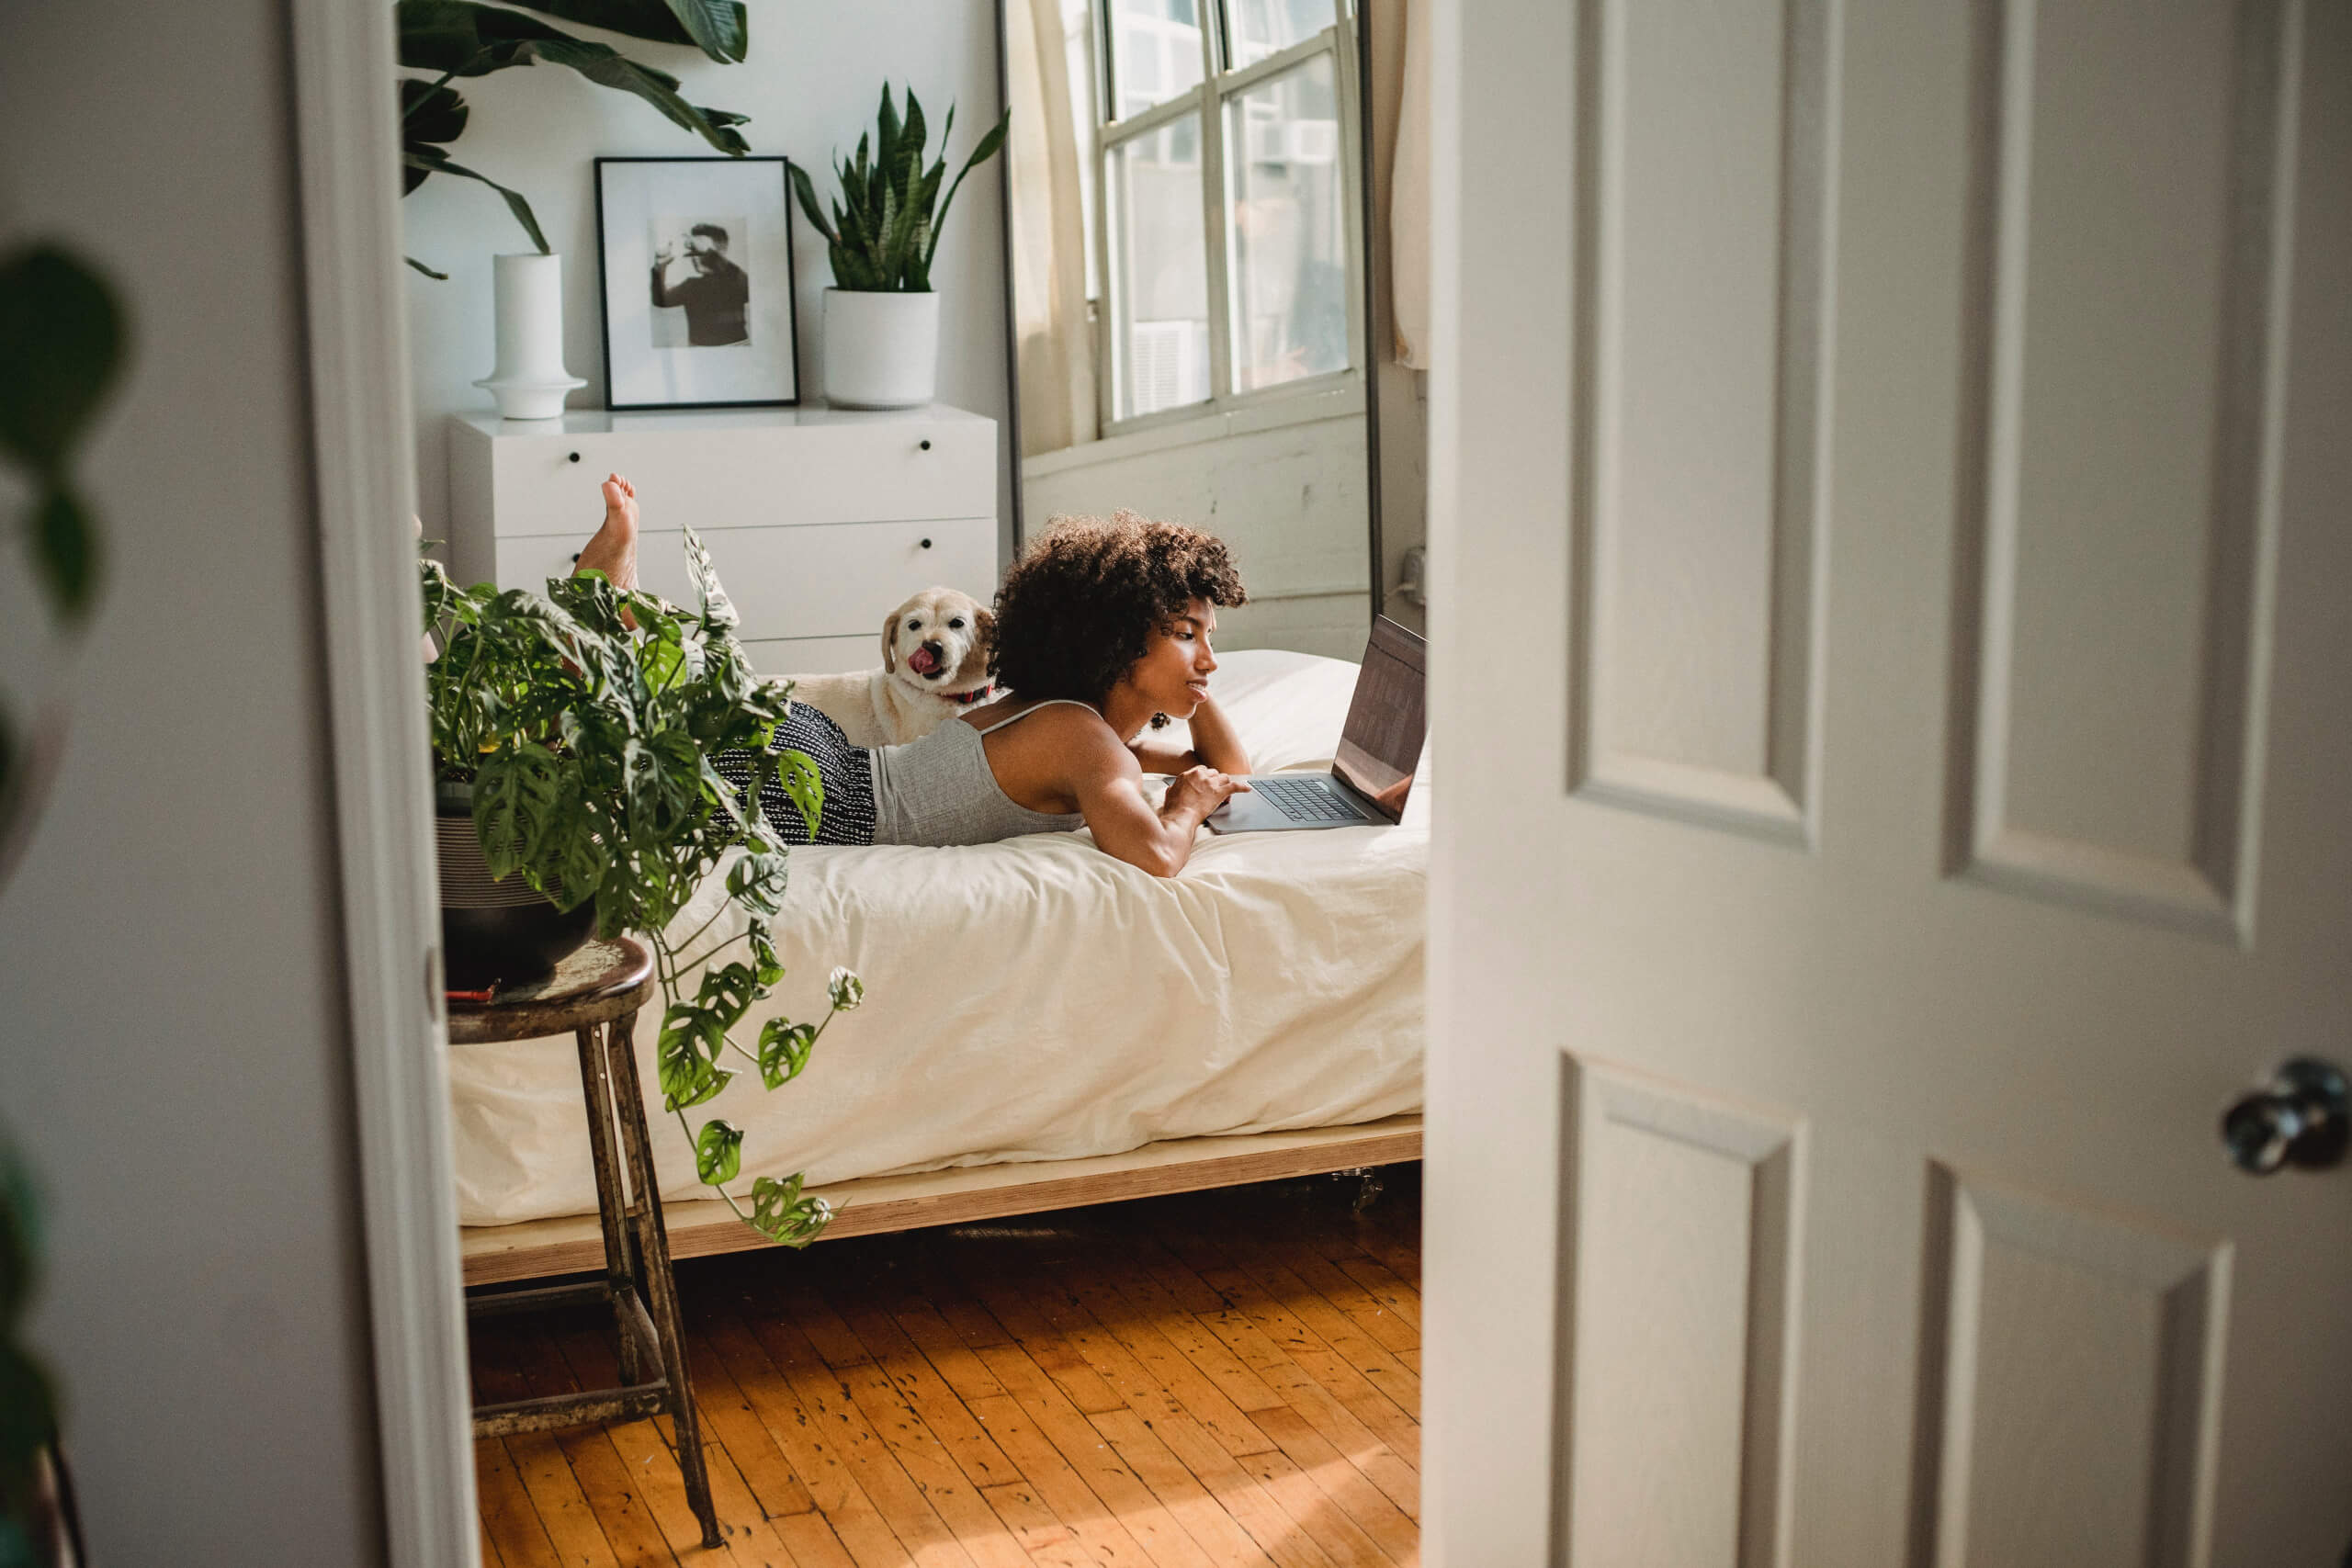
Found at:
(1287, 228)
(1261, 27)
(1160, 257)
(1155, 53)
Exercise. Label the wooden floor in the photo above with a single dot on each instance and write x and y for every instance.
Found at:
(1215, 1377)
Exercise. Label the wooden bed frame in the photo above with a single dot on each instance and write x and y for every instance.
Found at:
(700, 1227)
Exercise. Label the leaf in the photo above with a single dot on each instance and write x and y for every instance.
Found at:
(808, 195)
(803, 786)
(718, 1153)
(517, 792)
(784, 1051)
(430, 113)
(727, 993)
(981, 154)
(65, 551)
(757, 882)
(432, 160)
(685, 1070)
(714, 27)
(62, 337)
(472, 39)
(425, 269)
(845, 990)
(780, 1213)
(717, 610)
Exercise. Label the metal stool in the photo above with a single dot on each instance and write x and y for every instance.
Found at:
(596, 994)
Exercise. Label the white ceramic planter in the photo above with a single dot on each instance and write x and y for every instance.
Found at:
(881, 350)
(529, 381)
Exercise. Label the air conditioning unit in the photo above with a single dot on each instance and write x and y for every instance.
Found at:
(1165, 366)
(1314, 141)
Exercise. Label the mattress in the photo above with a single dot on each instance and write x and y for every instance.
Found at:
(1035, 999)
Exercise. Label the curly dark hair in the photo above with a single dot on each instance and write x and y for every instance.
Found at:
(1079, 607)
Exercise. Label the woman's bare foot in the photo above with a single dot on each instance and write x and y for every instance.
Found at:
(614, 549)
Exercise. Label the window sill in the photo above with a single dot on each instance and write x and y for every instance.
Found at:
(1265, 412)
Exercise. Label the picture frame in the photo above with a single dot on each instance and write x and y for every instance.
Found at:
(695, 271)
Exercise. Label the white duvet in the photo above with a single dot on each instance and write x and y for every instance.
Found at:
(1036, 998)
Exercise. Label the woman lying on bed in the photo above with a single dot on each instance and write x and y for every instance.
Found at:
(1103, 633)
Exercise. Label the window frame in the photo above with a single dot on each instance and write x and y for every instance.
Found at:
(1207, 99)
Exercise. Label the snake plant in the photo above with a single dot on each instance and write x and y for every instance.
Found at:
(885, 230)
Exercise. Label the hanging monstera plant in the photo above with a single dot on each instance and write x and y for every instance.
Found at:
(460, 39)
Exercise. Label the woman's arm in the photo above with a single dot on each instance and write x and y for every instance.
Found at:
(1215, 743)
(1109, 787)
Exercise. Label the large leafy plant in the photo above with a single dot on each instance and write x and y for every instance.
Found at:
(884, 229)
(461, 38)
(585, 720)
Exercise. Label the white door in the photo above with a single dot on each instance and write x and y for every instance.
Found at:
(1892, 512)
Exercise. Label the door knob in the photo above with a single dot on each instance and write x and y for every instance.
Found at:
(2302, 1118)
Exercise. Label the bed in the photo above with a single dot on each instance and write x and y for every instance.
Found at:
(1042, 1025)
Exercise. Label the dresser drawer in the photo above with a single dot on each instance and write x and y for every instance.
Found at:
(719, 480)
(817, 655)
(822, 581)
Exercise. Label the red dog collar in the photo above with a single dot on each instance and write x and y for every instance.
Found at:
(968, 698)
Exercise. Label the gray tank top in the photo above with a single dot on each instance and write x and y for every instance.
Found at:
(938, 790)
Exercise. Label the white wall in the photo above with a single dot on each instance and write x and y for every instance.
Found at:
(1289, 497)
(812, 83)
(172, 1058)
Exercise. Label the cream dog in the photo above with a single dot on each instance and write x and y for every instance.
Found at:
(934, 665)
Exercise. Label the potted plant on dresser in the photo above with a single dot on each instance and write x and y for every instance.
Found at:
(572, 734)
(881, 317)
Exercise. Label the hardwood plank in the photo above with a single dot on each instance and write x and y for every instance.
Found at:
(1063, 1392)
(746, 1539)
(615, 1494)
(1058, 1486)
(1339, 1330)
(1214, 1520)
(703, 1227)
(485, 1548)
(1358, 1419)
(927, 1392)
(932, 1470)
(808, 1447)
(1345, 1479)
(508, 1517)
(1204, 1454)
(899, 1501)
(498, 1349)
(1092, 1461)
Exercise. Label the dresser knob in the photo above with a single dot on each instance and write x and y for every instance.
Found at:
(926, 443)
(575, 457)
(926, 544)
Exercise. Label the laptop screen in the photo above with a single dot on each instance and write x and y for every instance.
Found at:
(1382, 743)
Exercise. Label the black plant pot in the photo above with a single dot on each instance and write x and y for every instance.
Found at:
(495, 933)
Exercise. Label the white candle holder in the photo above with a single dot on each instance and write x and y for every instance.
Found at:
(529, 380)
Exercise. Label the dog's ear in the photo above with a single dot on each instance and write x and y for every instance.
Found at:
(976, 662)
(890, 642)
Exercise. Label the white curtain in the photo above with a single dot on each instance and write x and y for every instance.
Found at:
(1054, 349)
(1408, 199)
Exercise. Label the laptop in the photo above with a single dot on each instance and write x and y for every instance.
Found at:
(1379, 748)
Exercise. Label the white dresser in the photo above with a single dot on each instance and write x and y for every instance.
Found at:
(820, 521)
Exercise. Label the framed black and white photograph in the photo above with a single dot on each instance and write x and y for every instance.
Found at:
(695, 263)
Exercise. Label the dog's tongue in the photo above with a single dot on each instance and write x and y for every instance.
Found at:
(923, 662)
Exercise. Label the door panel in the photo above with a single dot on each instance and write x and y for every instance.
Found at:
(1703, 330)
(2123, 435)
(1683, 1247)
(2072, 624)
(2077, 1426)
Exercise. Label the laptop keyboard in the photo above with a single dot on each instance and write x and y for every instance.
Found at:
(1303, 801)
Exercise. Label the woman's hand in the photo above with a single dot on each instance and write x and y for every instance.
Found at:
(1197, 791)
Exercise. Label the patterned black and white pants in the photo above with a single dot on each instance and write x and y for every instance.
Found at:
(845, 769)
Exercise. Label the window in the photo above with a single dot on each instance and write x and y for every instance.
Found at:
(1223, 147)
